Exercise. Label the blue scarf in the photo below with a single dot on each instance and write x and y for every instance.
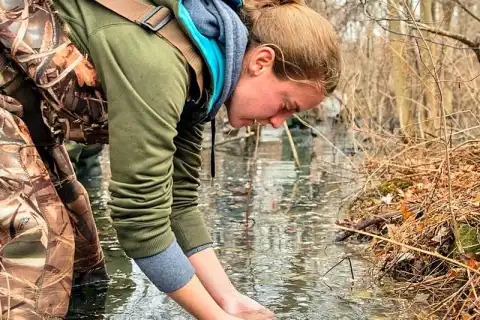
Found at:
(216, 20)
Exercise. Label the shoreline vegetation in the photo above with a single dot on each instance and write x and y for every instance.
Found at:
(419, 210)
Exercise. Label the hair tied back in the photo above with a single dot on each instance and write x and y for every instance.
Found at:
(263, 4)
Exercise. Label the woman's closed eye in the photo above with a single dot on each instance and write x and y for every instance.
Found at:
(287, 107)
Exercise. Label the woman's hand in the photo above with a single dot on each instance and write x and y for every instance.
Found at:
(243, 307)
(197, 301)
(213, 277)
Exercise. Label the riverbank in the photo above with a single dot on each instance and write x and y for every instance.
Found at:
(421, 213)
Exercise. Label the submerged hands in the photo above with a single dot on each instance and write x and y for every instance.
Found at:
(255, 315)
(212, 275)
(201, 287)
(244, 307)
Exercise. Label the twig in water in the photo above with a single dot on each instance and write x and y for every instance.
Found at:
(292, 144)
(334, 266)
(252, 172)
(351, 267)
(347, 257)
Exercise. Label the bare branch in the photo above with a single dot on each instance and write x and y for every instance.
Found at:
(472, 44)
(467, 10)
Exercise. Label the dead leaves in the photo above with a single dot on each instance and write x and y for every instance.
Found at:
(452, 273)
(417, 186)
(471, 260)
(476, 201)
(420, 227)
(406, 213)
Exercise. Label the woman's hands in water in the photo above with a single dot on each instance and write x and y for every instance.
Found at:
(212, 275)
(246, 308)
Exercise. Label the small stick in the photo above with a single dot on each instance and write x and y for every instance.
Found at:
(292, 145)
(228, 140)
(351, 267)
(435, 254)
(324, 138)
(252, 170)
(335, 265)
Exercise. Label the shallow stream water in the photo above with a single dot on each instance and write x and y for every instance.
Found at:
(275, 239)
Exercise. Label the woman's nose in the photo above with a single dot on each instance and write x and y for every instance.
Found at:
(277, 121)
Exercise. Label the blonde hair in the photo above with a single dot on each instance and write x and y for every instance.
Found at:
(305, 44)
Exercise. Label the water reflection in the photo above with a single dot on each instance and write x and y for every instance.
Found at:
(273, 229)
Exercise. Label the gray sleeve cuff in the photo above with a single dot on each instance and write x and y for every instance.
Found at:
(168, 270)
(198, 249)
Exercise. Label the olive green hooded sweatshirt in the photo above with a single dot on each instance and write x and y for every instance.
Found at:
(154, 154)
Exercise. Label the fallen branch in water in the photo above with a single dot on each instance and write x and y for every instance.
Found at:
(366, 223)
(373, 220)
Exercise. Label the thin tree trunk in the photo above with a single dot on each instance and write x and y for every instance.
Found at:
(399, 72)
(428, 62)
(447, 51)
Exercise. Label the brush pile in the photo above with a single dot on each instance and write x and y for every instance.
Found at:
(427, 206)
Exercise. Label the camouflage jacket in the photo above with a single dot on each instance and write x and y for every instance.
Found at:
(73, 104)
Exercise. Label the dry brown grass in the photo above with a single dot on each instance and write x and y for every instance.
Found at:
(407, 199)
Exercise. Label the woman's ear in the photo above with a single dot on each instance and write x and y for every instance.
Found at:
(261, 59)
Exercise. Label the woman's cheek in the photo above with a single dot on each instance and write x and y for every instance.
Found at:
(233, 120)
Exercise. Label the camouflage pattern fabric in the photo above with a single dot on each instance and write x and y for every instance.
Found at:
(89, 264)
(48, 237)
(74, 105)
(36, 236)
(47, 233)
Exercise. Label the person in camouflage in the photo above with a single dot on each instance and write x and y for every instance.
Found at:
(43, 252)
(58, 69)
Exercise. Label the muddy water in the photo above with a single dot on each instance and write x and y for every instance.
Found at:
(273, 230)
